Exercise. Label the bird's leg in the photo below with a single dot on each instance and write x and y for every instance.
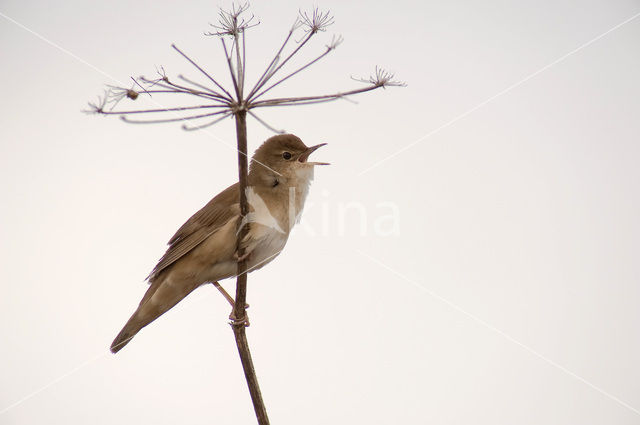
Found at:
(231, 301)
(224, 293)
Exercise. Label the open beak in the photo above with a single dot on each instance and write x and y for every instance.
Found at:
(305, 155)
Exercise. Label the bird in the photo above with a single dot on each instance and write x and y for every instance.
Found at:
(204, 250)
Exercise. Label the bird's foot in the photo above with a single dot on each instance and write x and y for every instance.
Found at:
(233, 321)
(242, 257)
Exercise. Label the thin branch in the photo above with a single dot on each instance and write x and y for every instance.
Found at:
(231, 70)
(162, 77)
(244, 62)
(201, 86)
(228, 97)
(171, 90)
(192, 117)
(144, 111)
(99, 107)
(199, 127)
(309, 99)
(275, 59)
(300, 103)
(265, 124)
(380, 78)
(213, 94)
(266, 79)
(334, 43)
(166, 84)
(138, 84)
(239, 66)
(317, 22)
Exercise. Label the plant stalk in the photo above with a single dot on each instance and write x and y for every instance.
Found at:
(239, 313)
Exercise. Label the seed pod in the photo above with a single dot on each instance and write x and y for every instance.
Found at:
(132, 94)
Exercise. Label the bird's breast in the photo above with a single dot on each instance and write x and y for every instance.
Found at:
(264, 243)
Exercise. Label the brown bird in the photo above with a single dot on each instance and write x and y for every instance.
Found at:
(203, 250)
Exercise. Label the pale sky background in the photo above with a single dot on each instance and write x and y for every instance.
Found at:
(509, 295)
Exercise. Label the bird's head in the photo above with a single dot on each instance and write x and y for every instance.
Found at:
(282, 158)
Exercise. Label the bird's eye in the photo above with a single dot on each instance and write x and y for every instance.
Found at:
(286, 155)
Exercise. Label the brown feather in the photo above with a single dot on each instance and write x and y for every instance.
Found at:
(199, 227)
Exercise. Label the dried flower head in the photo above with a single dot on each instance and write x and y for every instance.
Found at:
(116, 94)
(336, 40)
(318, 21)
(98, 106)
(219, 102)
(132, 94)
(381, 78)
(230, 22)
(162, 77)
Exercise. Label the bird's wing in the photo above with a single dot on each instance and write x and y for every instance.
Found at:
(199, 227)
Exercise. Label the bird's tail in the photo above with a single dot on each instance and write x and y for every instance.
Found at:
(130, 330)
(138, 320)
(149, 310)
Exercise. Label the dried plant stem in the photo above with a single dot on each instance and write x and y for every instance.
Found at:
(238, 323)
(166, 84)
(231, 68)
(283, 63)
(228, 95)
(176, 109)
(308, 64)
(165, 120)
(273, 62)
(283, 101)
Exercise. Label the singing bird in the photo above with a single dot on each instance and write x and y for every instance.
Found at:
(203, 250)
